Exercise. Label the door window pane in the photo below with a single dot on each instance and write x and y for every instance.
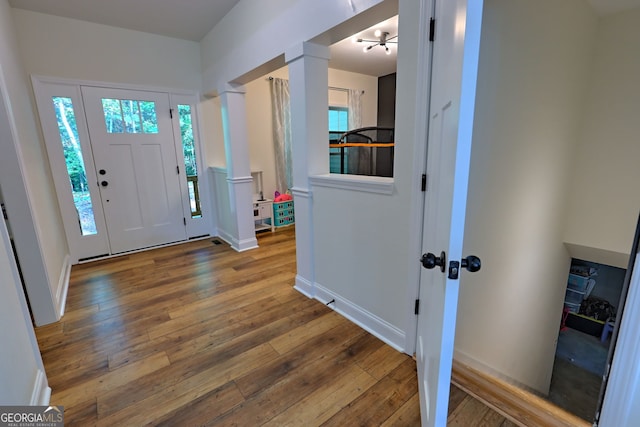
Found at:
(190, 163)
(149, 119)
(68, 131)
(112, 115)
(130, 116)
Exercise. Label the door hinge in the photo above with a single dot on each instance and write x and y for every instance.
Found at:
(416, 307)
(184, 220)
(424, 182)
(171, 113)
(605, 376)
(178, 169)
(432, 30)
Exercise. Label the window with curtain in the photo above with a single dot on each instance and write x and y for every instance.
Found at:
(282, 133)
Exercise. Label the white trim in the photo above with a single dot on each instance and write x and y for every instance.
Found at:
(111, 85)
(619, 408)
(240, 179)
(63, 285)
(371, 323)
(235, 244)
(218, 169)
(470, 361)
(41, 394)
(361, 183)
(303, 193)
(231, 88)
(304, 286)
(419, 165)
(245, 245)
(306, 49)
(226, 237)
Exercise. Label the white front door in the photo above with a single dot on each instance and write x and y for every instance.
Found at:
(138, 174)
(454, 74)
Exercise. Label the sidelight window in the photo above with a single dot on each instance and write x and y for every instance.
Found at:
(190, 162)
(68, 132)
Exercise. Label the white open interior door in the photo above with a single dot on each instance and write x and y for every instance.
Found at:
(454, 74)
(135, 157)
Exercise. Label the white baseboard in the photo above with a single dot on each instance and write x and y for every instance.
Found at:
(361, 317)
(246, 244)
(470, 361)
(238, 245)
(304, 286)
(63, 285)
(224, 236)
(228, 238)
(41, 394)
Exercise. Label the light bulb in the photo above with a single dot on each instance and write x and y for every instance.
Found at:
(378, 33)
(354, 39)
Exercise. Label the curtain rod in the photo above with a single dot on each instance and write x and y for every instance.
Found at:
(342, 89)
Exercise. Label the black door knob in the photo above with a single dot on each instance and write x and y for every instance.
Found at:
(104, 183)
(471, 263)
(102, 171)
(430, 261)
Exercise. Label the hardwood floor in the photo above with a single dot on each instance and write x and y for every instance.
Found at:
(198, 334)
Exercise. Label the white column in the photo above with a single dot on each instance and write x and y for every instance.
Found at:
(308, 86)
(234, 123)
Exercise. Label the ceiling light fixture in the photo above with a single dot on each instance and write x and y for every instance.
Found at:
(383, 40)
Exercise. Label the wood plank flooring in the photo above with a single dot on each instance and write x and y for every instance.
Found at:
(198, 334)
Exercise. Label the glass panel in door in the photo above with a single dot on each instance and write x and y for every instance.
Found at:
(67, 128)
(190, 161)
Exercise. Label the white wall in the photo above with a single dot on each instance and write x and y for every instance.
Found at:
(62, 47)
(534, 62)
(604, 201)
(21, 369)
(259, 115)
(26, 183)
(211, 128)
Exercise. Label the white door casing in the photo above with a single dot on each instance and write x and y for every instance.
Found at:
(140, 189)
(81, 246)
(454, 76)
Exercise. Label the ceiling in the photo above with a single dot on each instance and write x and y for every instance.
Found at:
(193, 19)
(183, 19)
(348, 55)
(608, 7)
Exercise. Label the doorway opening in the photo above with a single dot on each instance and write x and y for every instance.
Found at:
(591, 307)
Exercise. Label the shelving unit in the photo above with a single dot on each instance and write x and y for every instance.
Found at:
(263, 215)
(283, 213)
